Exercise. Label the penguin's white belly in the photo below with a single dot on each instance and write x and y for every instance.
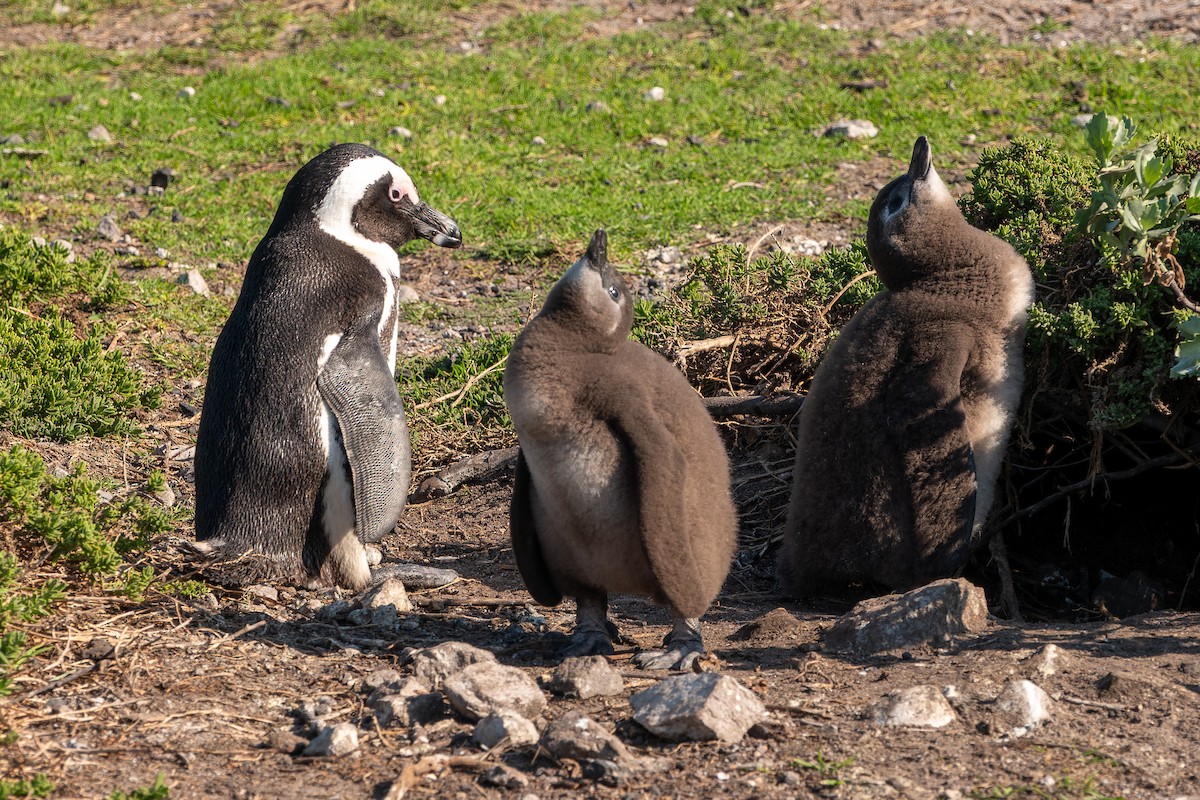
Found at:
(989, 420)
(337, 500)
(586, 512)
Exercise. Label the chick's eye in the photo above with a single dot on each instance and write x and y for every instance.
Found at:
(895, 203)
(612, 292)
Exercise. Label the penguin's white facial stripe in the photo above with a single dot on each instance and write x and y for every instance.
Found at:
(335, 214)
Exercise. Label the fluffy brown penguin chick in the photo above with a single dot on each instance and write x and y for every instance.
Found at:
(904, 428)
(622, 483)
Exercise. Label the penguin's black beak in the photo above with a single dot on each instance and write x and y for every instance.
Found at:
(922, 160)
(433, 225)
(597, 250)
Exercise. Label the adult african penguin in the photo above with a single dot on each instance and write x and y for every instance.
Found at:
(302, 453)
(622, 483)
(904, 429)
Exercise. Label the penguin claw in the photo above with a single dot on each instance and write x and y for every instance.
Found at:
(681, 657)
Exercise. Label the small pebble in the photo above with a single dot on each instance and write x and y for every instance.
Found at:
(185, 93)
(656, 93)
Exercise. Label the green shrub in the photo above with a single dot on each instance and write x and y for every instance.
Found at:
(30, 274)
(56, 378)
(780, 310)
(46, 518)
(1101, 338)
(158, 791)
(21, 789)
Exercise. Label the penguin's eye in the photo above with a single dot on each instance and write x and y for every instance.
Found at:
(612, 292)
(895, 204)
(395, 194)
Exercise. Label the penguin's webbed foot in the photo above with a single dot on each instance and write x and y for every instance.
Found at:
(588, 642)
(594, 633)
(682, 647)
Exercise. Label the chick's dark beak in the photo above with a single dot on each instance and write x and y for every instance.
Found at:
(922, 160)
(434, 226)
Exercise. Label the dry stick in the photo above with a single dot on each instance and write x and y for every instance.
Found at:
(754, 404)
(462, 392)
(761, 239)
(844, 289)
(1079, 701)
(241, 632)
(468, 469)
(54, 684)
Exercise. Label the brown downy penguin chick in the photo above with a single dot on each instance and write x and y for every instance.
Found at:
(622, 482)
(903, 431)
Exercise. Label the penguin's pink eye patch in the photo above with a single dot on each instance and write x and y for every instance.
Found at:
(401, 189)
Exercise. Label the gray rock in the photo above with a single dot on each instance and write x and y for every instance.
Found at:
(100, 134)
(487, 686)
(334, 740)
(108, 228)
(1081, 120)
(655, 94)
(916, 707)
(315, 709)
(538, 141)
(162, 177)
(195, 281)
(400, 132)
(406, 294)
(434, 664)
(805, 247)
(598, 107)
(1047, 661)
(503, 776)
(669, 255)
(186, 93)
(408, 703)
(389, 592)
(13, 139)
(374, 555)
(584, 677)
(504, 725)
(698, 707)
(263, 592)
(1021, 707)
(417, 576)
(384, 678)
(658, 141)
(576, 736)
(851, 129)
(933, 614)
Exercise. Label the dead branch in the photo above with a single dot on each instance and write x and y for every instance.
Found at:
(1063, 491)
(753, 404)
(471, 468)
(411, 775)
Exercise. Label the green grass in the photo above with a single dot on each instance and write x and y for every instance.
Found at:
(749, 91)
(156, 791)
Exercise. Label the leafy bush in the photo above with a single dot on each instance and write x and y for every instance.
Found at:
(56, 382)
(779, 309)
(158, 791)
(46, 518)
(20, 789)
(1101, 337)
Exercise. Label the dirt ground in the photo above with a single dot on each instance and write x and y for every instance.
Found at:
(208, 692)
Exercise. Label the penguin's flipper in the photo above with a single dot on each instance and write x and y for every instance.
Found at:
(526, 548)
(359, 388)
(661, 478)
